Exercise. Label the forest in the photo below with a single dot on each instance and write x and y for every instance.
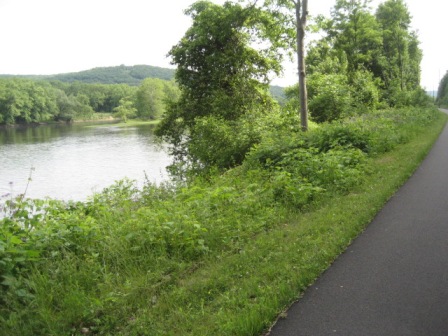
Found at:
(257, 206)
(28, 101)
(132, 91)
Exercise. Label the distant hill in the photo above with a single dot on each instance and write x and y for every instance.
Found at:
(278, 93)
(122, 74)
(132, 75)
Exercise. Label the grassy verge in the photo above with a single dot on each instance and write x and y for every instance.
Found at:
(241, 294)
(215, 258)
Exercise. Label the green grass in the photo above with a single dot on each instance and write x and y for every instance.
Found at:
(241, 294)
(220, 257)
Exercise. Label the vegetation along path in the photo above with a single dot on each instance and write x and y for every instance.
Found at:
(393, 279)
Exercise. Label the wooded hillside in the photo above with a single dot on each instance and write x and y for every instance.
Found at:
(132, 75)
(122, 74)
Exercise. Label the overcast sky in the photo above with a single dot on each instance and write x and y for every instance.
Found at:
(57, 36)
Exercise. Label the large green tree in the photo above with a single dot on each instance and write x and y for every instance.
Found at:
(125, 110)
(26, 101)
(355, 33)
(368, 58)
(150, 98)
(223, 80)
(401, 55)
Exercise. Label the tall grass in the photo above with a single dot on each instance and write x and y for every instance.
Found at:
(221, 256)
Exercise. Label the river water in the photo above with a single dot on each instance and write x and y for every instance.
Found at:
(71, 162)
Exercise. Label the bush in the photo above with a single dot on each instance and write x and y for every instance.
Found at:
(364, 91)
(329, 97)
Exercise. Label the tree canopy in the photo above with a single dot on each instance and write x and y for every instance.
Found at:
(366, 59)
(24, 101)
(223, 80)
(442, 93)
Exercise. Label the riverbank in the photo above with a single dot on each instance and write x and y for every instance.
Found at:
(131, 123)
(107, 120)
(223, 256)
(102, 117)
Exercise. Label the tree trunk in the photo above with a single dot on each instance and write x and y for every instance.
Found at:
(301, 17)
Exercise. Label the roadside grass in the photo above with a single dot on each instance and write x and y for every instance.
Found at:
(220, 257)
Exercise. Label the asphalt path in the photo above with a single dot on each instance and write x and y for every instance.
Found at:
(393, 279)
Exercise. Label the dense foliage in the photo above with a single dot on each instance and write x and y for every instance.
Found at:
(24, 101)
(442, 93)
(364, 60)
(224, 88)
(120, 263)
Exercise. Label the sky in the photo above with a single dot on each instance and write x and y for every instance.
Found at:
(57, 36)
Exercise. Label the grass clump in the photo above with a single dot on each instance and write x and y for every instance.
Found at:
(221, 256)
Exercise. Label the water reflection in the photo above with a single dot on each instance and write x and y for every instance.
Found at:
(73, 161)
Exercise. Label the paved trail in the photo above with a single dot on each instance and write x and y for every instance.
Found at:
(393, 279)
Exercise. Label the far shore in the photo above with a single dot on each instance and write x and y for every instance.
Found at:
(106, 120)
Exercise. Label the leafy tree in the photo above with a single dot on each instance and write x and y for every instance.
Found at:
(101, 97)
(401, 55)
(171, 91)
(221, 77)
(330, 97)
(149, 99)
(354, 32)
(125, 110)
(68, 106)
(377, 54)
(442, 92)
(72, 107)
(26, 101)
(365, 93)
(351, 41)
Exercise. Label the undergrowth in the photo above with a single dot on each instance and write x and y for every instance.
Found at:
(203, 258)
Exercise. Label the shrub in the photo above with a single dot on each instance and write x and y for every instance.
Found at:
(329, 97)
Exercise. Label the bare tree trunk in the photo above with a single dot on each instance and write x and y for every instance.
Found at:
(301, 17)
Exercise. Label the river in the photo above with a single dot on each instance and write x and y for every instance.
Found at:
(71, 162)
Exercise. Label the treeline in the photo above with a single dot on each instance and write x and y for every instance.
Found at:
(24, 101)
(366, 60)
(442, 93)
